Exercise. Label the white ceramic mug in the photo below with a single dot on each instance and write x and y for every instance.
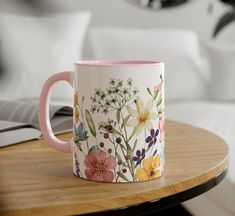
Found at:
(118, 120)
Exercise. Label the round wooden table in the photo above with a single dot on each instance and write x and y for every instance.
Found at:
(37, 180)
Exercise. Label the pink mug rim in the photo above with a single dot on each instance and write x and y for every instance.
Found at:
(115, 63)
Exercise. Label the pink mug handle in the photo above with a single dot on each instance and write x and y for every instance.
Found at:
(44, 119)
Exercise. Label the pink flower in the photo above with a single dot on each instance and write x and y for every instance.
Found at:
(158, 88)
(98, 166)
(161, 125)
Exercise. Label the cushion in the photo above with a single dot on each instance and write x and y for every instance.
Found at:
(178, 49)
(33, 48)
(217, 117)
(222, 69)
(226, 36)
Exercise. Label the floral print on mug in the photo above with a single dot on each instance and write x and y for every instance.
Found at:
(127, 145)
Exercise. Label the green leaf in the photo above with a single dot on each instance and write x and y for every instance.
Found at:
(123, 176)
(90, 123)
(129, 149)
(149, 91)
(133, 133)
(115, 131)
(119, 157)
(125, 120)
(125, 165)
(159, 101)
(118, 113)
(133, 164)
(135, 143)
(146, 150)
(122, 146)
(155, 95)
(155, 152)
(93, 148)
(161, 108)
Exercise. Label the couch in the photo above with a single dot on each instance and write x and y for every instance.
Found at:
(195, 94)
(217, 117)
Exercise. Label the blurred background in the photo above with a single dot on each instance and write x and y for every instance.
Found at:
(198, 15)
(195, 39)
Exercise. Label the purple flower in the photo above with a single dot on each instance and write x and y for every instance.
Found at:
(152, 139)
(77, 165)
(140, 155)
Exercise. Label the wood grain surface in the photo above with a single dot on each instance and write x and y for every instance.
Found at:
(37, 180)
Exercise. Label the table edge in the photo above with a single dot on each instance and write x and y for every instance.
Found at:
(164, 202)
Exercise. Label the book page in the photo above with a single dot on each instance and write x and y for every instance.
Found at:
(27, 111)
(19, 135)
(9, 125)
(61, 124)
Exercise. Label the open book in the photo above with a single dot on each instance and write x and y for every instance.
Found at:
(19, 121)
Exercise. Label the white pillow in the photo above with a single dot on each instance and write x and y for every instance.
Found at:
(221, 61)
(178, 49)
(226, 35)
(33, 48)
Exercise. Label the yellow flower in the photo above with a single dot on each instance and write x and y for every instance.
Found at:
(142, 116)
(75, 108)
(75, 114)
(150, 169)
(75, 99)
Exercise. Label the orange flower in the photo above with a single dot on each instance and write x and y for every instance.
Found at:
(150, 169)
(75, 108)
(75, 114)
(75, 99)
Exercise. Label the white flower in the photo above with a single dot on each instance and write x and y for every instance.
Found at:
(142, 116)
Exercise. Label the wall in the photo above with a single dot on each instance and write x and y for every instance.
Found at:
(120, 13)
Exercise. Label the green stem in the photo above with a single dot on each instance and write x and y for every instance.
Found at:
(124, 125)
(119, 170)
(115, 176)
(147, 149)
(115, 154)
(96, 140)
(122, 96)
(105, 150)
(129, 162)
(87, 145)
(111, 141)
(119, 103)
(145, 138)
(83, 120)
(151, 149)
(132, 166)
(115, 149)
(124, 136)
(80, 150)
(156, 105)
(81, 111)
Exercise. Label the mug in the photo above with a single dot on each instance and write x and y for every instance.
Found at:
(118, 120)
